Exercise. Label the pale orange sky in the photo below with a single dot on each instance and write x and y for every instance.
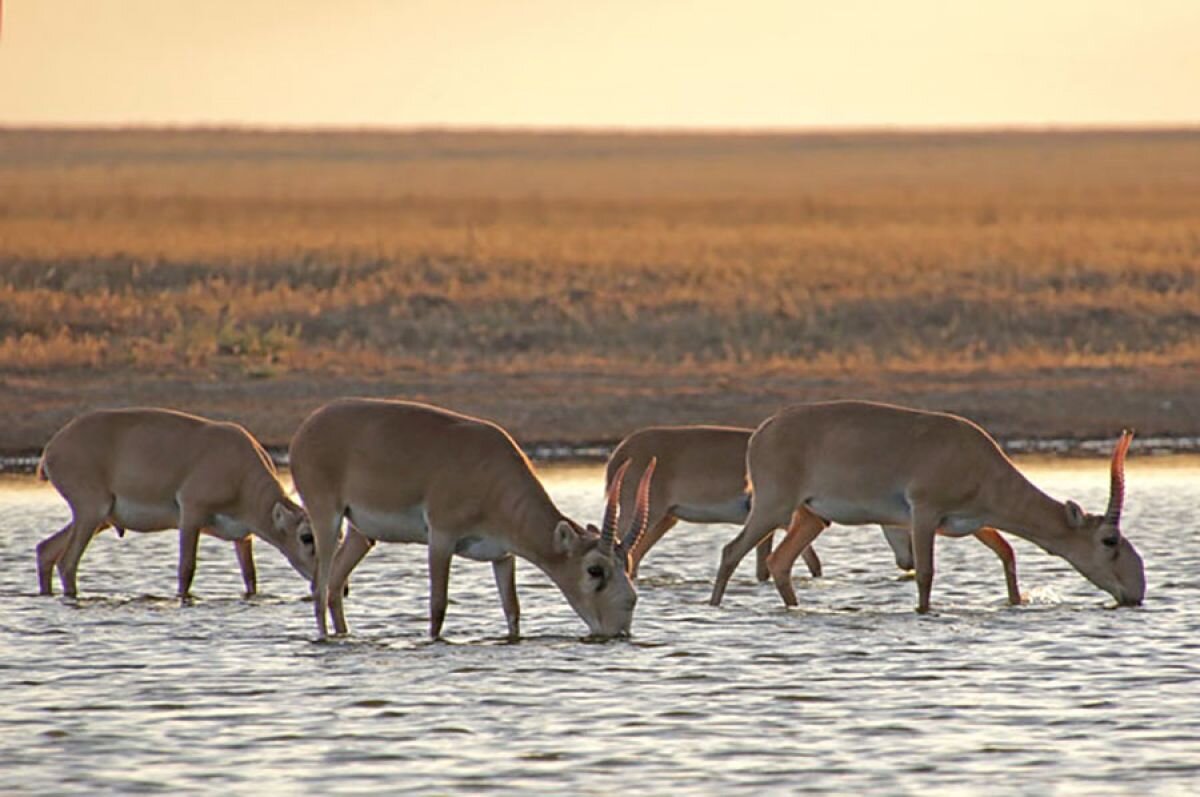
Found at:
(609, 63)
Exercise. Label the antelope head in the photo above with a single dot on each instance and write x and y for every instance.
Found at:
(1098, 549)
(293, 536)
(599, 585)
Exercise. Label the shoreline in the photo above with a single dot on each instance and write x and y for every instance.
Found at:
(563, 453)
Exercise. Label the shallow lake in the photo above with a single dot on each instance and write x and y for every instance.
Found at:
(125, 690)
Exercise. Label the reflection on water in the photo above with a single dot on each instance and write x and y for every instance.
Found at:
(125, 690)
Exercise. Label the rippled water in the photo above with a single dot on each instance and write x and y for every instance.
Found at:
(126, 690)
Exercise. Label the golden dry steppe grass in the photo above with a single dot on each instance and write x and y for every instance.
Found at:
(575, 285)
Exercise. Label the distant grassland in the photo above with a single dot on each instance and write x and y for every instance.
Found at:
(553, 280)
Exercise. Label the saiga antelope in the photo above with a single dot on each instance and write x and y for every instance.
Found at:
(855, 462)
(156, 469)
(701, 478)
(400, 471)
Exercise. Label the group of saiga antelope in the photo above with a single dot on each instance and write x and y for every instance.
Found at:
(395, 471)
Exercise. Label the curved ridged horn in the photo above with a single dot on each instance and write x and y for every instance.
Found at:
(1116, 491)
(641, 511)
(608, 531)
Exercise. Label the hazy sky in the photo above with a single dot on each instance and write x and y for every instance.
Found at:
(642, 63)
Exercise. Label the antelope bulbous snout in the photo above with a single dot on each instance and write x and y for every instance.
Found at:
(615, 626)
(303, 562)
(1129, 588)
(306, 571)
(1132, 594)
(616, 629)
(601, 634)
(1129, 596)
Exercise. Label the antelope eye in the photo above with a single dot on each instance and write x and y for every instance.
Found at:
(307, 539)
(596, 571)
(1110, 542)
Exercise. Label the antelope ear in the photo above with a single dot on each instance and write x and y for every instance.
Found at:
(282, 516)
(564, 537)
(1075, 515)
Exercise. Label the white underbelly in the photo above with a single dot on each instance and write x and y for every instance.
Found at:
(889, 511)
(481, 548)
(406, 525)
(959, 526)
(228, 528)
(140, 516)
(734, 511)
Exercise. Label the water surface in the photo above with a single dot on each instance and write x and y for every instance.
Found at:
(125, 690)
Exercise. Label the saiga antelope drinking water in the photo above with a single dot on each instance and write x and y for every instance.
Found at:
(701, 478)
(155, 469)
(399, 471)
(856, 462)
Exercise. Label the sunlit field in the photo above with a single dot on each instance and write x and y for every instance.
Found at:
(573, 286)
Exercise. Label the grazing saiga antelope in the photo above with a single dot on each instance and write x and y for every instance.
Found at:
(401, 471)
(857, 462)
(701, 478)
(155, 469)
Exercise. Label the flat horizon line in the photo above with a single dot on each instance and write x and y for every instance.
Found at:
(614, 130)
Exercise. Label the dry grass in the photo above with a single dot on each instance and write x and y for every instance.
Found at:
(233, 257)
